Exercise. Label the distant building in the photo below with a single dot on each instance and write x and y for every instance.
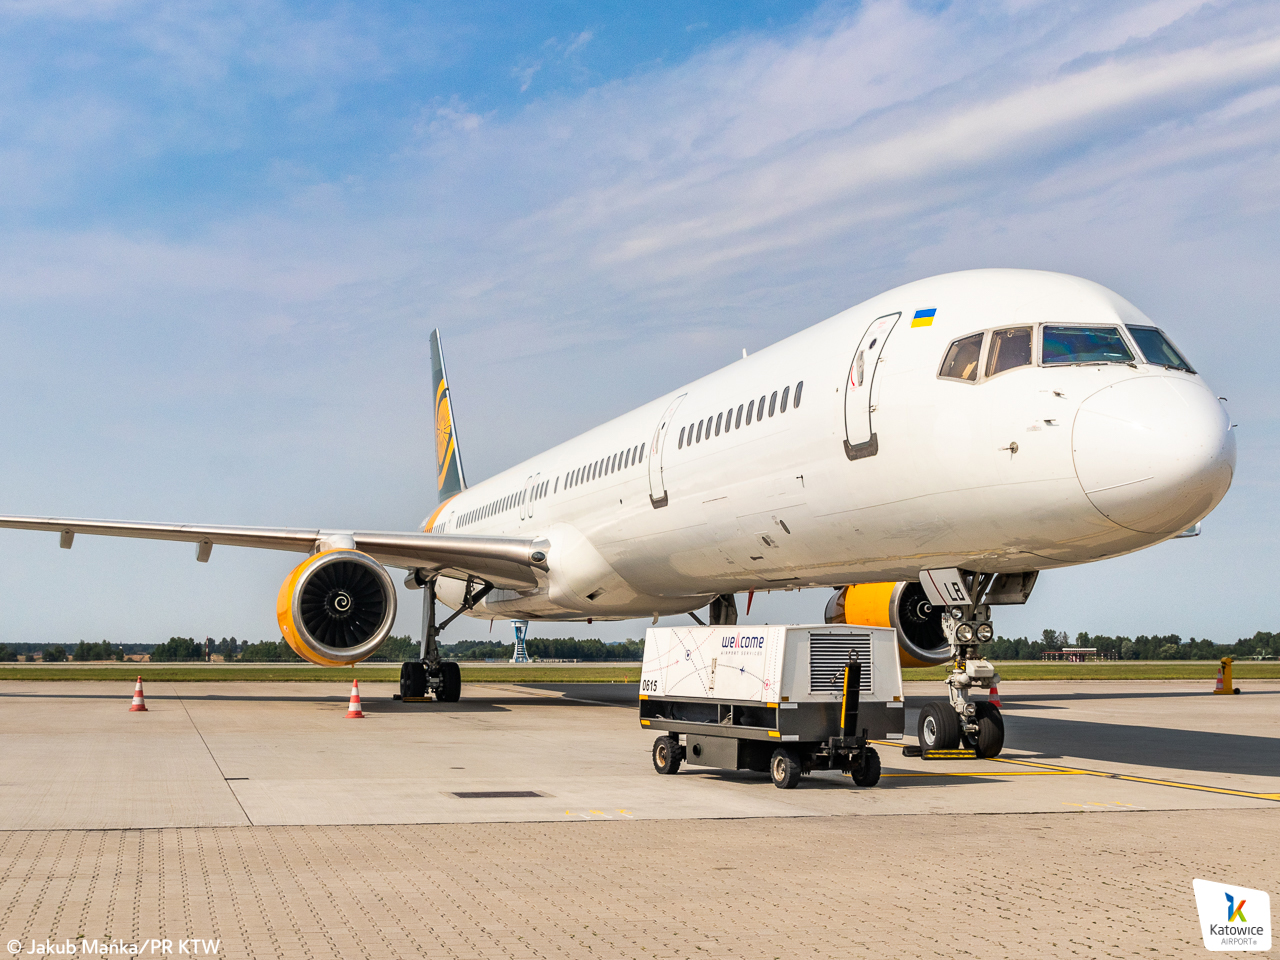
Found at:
(1077, 655)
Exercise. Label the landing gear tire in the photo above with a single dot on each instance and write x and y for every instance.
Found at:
(784, 769)
(868, 774)
(990, 738)
(666, 755)
(939, 727)
(451, 682)
(413, 679)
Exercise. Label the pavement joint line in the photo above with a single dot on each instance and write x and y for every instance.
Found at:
(217, 766)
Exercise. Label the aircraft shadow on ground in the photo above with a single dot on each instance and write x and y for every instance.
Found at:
(1191, 750)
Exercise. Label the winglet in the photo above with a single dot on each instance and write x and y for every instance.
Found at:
(450, 480)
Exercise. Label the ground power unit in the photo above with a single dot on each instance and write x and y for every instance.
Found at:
(784, 700)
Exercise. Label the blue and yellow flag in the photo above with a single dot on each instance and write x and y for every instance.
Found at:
(924, 318)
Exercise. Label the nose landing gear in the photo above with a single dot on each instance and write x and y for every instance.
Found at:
(978, 725)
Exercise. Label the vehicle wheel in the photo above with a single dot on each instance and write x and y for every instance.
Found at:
(939, 727)
(451, 688)
(868, 775)
(666, 755)
(990, 739)
(784, 769)
(413, 679)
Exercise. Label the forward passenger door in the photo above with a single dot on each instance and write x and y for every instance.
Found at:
(657, 487)
(859, 397)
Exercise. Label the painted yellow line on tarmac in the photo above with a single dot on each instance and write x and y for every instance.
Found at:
(1048, 769)
(986, 773)
(1151, 780)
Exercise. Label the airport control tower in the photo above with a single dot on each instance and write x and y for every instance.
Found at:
(521, 655)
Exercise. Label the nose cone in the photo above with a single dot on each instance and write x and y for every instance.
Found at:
(1154, 454)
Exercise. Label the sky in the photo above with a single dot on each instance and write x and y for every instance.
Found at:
(226, 231)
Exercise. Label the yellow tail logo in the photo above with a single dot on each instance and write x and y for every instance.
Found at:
(450, 479)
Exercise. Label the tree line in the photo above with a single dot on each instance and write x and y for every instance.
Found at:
(398, 649)
(1167, 647)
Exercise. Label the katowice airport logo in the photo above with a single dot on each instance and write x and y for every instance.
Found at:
(1224, 922)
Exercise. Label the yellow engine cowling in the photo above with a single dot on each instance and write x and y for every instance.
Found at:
(336, 607)
(903, 606)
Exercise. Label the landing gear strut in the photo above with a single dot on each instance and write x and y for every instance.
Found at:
(978, 724)
(429, 673)
(723, 610)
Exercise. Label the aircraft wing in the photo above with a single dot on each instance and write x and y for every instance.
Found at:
(506, 562)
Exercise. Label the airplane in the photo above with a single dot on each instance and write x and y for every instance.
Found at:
(924, 454)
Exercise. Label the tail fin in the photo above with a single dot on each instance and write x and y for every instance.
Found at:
(450, 479)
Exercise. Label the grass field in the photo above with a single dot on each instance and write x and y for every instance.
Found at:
(590, 673)
(1113, 670)
(381, 673)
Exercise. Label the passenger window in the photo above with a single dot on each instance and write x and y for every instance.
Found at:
(640, 459)
(785, 393)
(719, 418)
(961, 362)
(773, 401)
(738, 422)
(1157, 349)
(1009, 348)
(750, 409)
(799, 387)
(1084, 345)
(700, 422)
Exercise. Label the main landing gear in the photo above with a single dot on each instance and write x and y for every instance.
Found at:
(963, 722)
(430, 674)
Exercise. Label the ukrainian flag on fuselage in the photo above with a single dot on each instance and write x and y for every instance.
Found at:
(450, 479)
(924, 318)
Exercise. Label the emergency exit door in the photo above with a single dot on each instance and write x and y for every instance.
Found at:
(860, 390)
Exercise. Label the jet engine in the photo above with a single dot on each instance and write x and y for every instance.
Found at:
(336, 607)
(903, 606)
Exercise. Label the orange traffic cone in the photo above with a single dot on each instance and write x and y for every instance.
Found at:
(1217, 687)
(353, 708)
(993, 698)
(139, 704)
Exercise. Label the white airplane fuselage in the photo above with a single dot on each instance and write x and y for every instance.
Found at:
(882, 469)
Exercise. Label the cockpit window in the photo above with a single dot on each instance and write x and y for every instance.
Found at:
(1084, 345)
(1009, 348)
(1156, 348)
(961, 362)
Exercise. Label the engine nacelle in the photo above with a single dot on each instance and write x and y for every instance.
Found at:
(904, 607)
(336, 607)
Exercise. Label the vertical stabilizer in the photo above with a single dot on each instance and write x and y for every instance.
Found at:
(450, 479)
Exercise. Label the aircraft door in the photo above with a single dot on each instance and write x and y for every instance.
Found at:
(859, 406)
(526, 499)
(657, 488)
